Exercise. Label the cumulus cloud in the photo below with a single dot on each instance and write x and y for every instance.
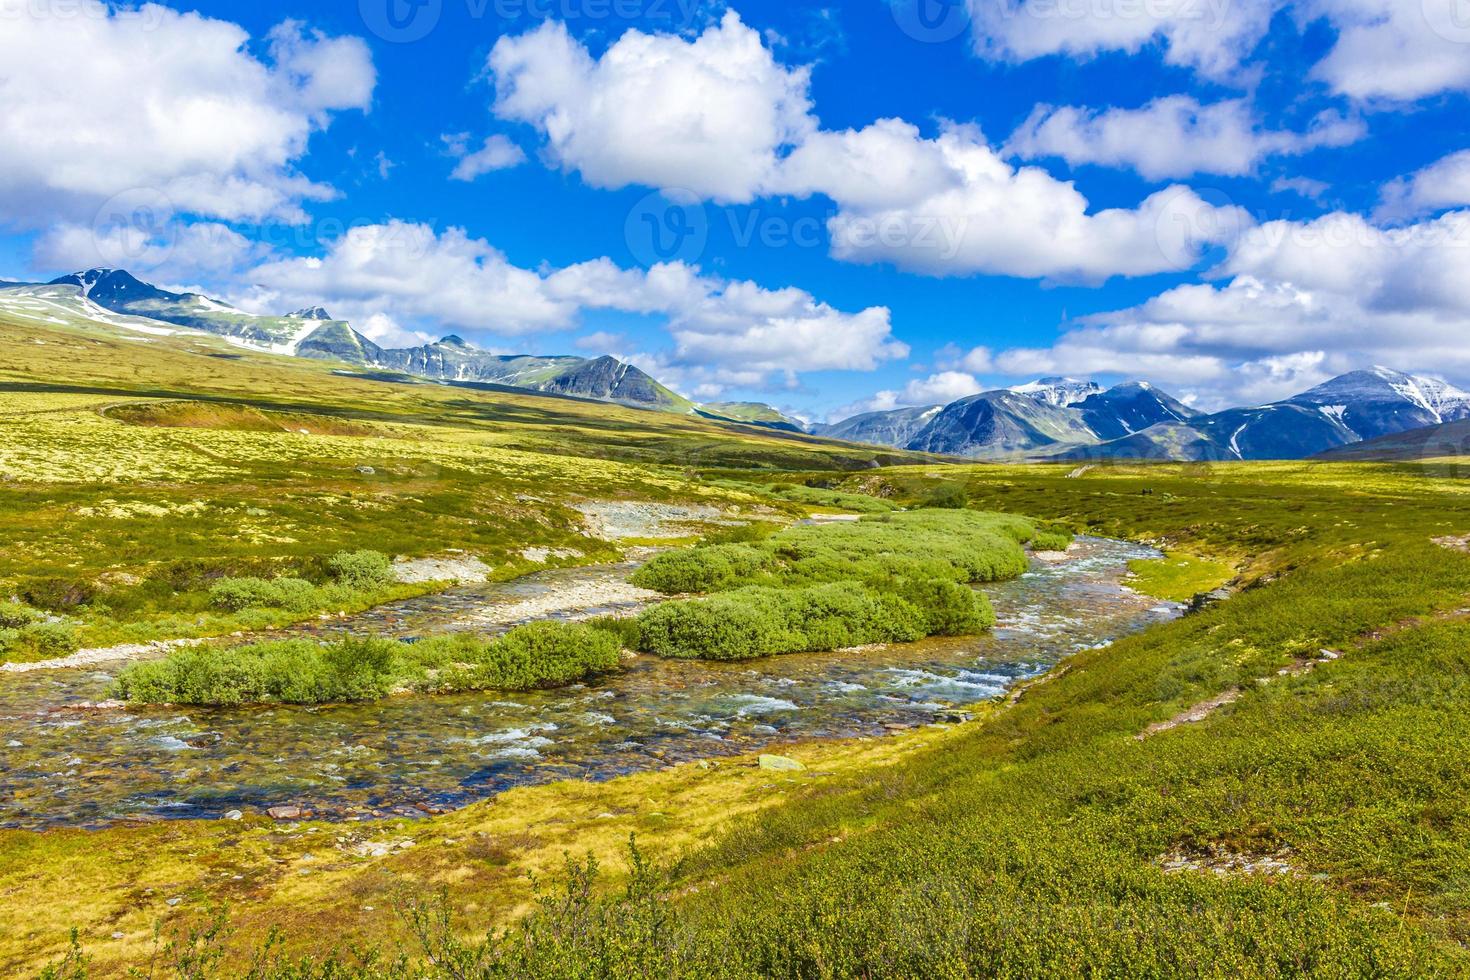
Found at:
(717, 115)
(1443, 184)
(1397, 50)
(497, 152)
(1211, 36)
(710, 114)
(408, 277)
(984, 216)
(100, 101)
(1383, 49)
(174, 252)
(939, 388)
(1298, 302)
(1173, 136)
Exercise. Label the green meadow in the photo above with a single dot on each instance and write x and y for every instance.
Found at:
(1274, 785)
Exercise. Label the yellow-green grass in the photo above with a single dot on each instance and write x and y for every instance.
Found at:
(1177, 577)
(322, 883)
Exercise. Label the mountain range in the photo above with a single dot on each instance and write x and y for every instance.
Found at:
(1067, 419)
(314, 333)
(1050, 418)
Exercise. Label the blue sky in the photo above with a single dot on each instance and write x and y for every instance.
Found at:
(1234, 201)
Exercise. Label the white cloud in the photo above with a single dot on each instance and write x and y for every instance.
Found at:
(1172, 136)
(1397, 50)
(100, 101)
(1307, 187)
(708, 114)
(601, 342)
(411, 278)
(985, 216)
(173, 252)
(410, 273)
(1292, 291)
(939, 388)
(496, 153)
(1212, 36)
(1443, 184)
(718, 116)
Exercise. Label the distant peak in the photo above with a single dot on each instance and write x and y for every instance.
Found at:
(453, 340)
(309, 313)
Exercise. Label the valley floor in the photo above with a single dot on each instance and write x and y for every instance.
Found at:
(1275, 785)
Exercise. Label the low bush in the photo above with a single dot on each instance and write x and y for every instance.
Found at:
(237, 594)
(59, 594)
(304, 671)
(360, 568)
(857, 503)
(1051, 539)
(37, 641)
(625, 628)
(710, 568)
(948, 496)
(756, 622)
(284, 671)
(963, 546)
(537, 655)
(13, 615)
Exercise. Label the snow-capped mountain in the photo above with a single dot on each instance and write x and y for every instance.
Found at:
(1381, 401)
(114, 297)
(1059, 392)
(1138, 421)
(891, 428)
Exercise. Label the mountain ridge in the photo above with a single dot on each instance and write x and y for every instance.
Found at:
(1137, 420)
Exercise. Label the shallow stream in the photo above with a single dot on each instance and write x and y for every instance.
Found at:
(61, 765)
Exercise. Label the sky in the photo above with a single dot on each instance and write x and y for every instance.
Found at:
(829, 208)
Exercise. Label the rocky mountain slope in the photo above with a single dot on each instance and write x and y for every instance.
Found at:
(117, 298)
(1066, 419)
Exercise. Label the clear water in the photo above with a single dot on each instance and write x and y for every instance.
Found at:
(62, 765)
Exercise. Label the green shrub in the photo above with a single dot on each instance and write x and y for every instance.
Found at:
(361, 669)
(708, 568)
(759, 622)
(285, 671)
(292, 594)
(948, 496)
(1051, 540)
(540, 655)
(625, 628)
(964, 546)
(38, 641)
(360, 568)
(819, 497)
(13, 615)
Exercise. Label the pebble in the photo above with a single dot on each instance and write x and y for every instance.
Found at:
(233, 815)
(284, 812)
(780, 763)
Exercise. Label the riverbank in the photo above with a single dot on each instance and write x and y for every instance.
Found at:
(69, 764)
(342, 880)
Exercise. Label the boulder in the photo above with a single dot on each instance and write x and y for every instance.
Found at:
(780, 763)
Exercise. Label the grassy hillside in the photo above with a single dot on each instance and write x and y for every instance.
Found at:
(135, 469)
